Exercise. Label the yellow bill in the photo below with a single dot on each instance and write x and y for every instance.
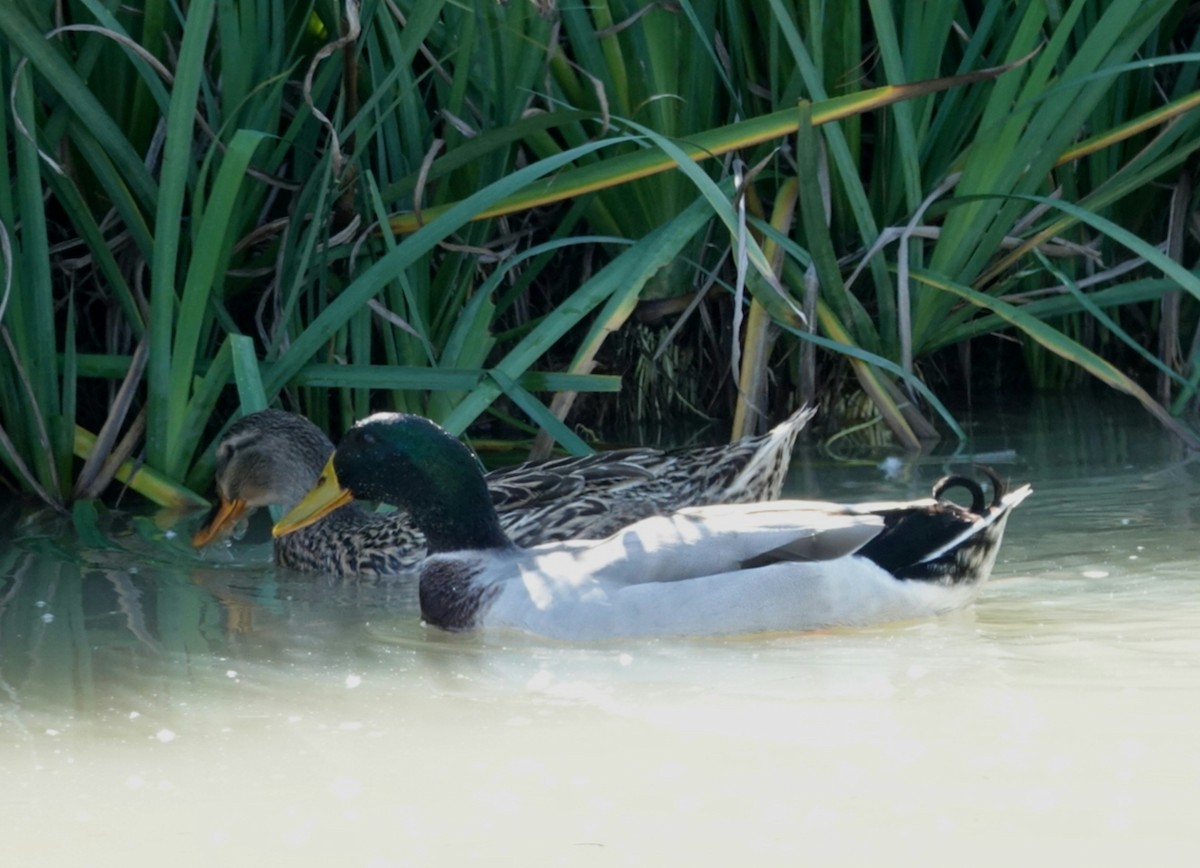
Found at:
(224, 519)
(322, 499)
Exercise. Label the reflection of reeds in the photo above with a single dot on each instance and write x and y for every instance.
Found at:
(72, 617)
(44, 653)
(129, 599)
(129, 622)
(348, 210)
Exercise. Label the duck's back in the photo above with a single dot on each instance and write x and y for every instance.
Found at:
(595, 496)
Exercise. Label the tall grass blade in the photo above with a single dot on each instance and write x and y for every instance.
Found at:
(699, 146)
(164, 268)
(1062, 345)
(633, 266)
(252, 397)
(209, 253)
(144, 480)
(371, 281)
(44, 56)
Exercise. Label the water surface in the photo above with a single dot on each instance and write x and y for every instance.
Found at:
(156, 708)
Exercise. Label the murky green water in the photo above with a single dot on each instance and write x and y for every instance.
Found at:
(156, 709)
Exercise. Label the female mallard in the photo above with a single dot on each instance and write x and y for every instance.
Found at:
(273, 457)
(788, 565)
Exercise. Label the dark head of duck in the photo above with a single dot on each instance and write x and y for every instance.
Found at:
(412, 463)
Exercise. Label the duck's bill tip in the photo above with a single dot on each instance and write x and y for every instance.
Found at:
(224, 517)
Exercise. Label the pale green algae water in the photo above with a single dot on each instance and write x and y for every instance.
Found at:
(156, 709)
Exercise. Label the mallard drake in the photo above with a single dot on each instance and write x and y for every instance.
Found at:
(274, 457)
(727, 569)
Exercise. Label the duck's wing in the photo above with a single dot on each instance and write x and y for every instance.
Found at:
(534, 485)
(593, 496)
(748, 470)
(704, 541)
(586, 516)
(574, 498)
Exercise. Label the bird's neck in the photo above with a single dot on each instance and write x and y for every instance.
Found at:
(455, 513)
(451, 530)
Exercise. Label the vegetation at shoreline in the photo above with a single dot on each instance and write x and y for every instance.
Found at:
(480, 211)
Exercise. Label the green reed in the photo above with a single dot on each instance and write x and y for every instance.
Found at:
(452, 208)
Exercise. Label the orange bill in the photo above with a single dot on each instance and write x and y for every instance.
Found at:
(322, 499)
(224, 519)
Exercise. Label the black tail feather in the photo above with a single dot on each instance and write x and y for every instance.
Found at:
(917, 542)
